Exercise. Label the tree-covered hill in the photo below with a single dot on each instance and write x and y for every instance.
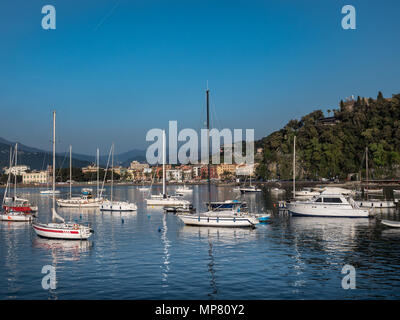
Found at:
(335, 146)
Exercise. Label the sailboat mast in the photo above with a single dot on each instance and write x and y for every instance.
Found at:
(8, 178)
(164, 193)
(54, 159)
(70, 171)
(208, 147)
(366, 166)
(98, 165)
(15, 171)
(112, 171)
(294, 168)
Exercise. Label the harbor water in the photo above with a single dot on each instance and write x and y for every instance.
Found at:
(151, 255)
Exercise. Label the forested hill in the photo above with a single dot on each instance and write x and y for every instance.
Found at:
(335, 146)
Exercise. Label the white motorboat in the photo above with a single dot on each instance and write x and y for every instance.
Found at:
(396, 191)
(391, 223)
(184, 189)
(116, 205)
(327, 205)
(60, 230)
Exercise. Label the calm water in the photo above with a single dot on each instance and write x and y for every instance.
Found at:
(152, 255)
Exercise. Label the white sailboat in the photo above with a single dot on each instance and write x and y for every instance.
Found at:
(373, 203)
(15, 208)
(86, 200)
(60, 230)
(249, 188)
(110, 205)
(226, 218)
(164, 199)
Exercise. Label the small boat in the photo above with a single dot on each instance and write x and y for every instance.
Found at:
(249, 189)
(116, 205)
(164, 199)
(16, 216)
(144, 189)
(50, 192)
(228, 219)
(264, 218)
(60, 230)
(184, 189)
(391, 223)
(277, 190)
(396, 191)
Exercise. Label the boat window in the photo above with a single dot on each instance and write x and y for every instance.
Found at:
(318, 200)
(332, 200)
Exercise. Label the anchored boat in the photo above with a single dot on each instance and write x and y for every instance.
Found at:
(60, 230)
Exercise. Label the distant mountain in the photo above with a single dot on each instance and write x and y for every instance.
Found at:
(38, 159)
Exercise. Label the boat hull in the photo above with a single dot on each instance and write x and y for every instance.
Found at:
(228, 222)
(118, 206)
(16, 218)
(50, 232)
(167, 202)
(310, 211)
(18, 208)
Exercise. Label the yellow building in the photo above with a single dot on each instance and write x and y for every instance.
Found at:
(223, 167)
(35, 177)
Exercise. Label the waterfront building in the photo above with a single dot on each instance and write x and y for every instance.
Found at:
(35, 177)
(136, 165)
(224, 167)
(90, 168)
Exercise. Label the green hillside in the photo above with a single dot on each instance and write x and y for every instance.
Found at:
(335, 146)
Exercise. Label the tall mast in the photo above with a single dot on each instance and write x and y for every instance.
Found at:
(70, 171)
(294, 168)
(208, 147)
(366, 166)
(9, 174)
(98, 165)
(163, 163)
(15, 171)
(54, 159)
(112, 170)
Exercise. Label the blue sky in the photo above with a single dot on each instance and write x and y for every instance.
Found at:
(115, 69)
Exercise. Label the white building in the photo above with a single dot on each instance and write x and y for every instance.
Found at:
(35, 177)
(174, 174)
(19, 170)
(136, 165)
